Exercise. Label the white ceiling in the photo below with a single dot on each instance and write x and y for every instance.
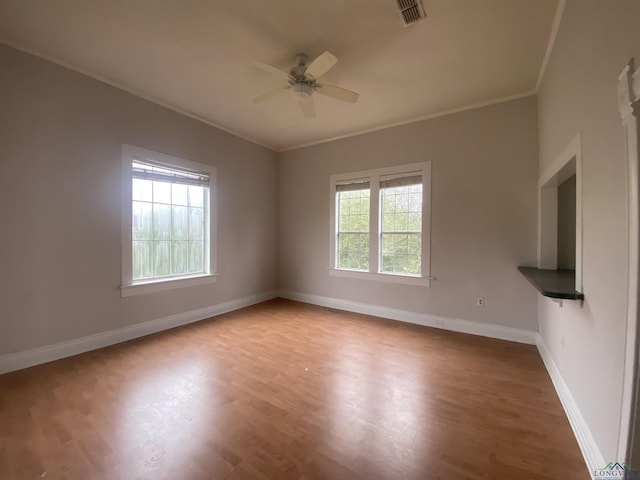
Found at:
(196, 56)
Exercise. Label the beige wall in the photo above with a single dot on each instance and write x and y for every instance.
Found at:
(484, 165)
(60, 139)
(578, 94)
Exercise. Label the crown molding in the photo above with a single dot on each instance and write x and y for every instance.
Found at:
(552, 41)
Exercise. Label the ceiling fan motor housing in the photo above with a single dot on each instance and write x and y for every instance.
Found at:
(298, 72)
(299, 69)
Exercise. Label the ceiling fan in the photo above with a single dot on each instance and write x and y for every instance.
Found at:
(302, 82)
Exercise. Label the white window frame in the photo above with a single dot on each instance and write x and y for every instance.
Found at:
(374, 273)
(130, 287)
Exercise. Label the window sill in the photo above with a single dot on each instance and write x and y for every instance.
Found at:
(152, 286)
(381, 277)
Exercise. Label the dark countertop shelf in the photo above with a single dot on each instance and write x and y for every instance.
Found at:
(553, 283)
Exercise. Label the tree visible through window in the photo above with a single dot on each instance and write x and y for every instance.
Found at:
(401, 229)
(353, 225)
(169, 217)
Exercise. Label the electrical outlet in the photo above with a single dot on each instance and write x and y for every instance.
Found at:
(480, 302)
(562, 342)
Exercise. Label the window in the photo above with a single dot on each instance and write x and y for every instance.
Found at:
(380, 221)
(352, 200)
(401, 224)
(167, 222)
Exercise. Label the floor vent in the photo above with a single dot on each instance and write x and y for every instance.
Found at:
(411, 11)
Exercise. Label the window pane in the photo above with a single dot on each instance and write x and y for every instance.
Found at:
(179, 194)
(141, 221)
(161, 222)
(359, 223)
(414, 243)
(161, 259)
(401, 244)
(142, 260)
(161, 192)
(387, 263)
(402, 199)
(386, 245)
(343, 223)
(196, 196)
(415, 202)
(414, 221)
(141, 190)
(196, 257)
(387, 222)
(180, 257)
(401, 229)
(180, 223)
(400, 221)
(353, 251)
(363, 256)
(196, 223)
(353, 229)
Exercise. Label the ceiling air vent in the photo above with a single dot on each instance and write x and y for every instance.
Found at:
(411, 11)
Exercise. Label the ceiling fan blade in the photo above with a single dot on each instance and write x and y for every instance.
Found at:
(274, 71)
(321, 65)
(308, 110)
(338, 93)
(269, 95)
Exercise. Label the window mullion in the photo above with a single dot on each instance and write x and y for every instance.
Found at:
(374, 224)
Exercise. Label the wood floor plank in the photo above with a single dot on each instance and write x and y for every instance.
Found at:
(284, 390)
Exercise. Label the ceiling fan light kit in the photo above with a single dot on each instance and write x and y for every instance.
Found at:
(301, 92)
(302, 82)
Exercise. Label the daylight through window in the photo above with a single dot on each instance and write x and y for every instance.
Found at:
(353, 225)
(401, 225)
(169, 210)
(168, 222)
(380, 221)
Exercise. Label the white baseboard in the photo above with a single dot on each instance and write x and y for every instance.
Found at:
(425, 319)
(37, 356)
(590, 451)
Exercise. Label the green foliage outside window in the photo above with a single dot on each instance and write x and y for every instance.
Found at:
(353, 229)
(401, 237)
(168, 222)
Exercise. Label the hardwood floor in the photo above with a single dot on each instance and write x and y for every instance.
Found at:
(284, 390)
